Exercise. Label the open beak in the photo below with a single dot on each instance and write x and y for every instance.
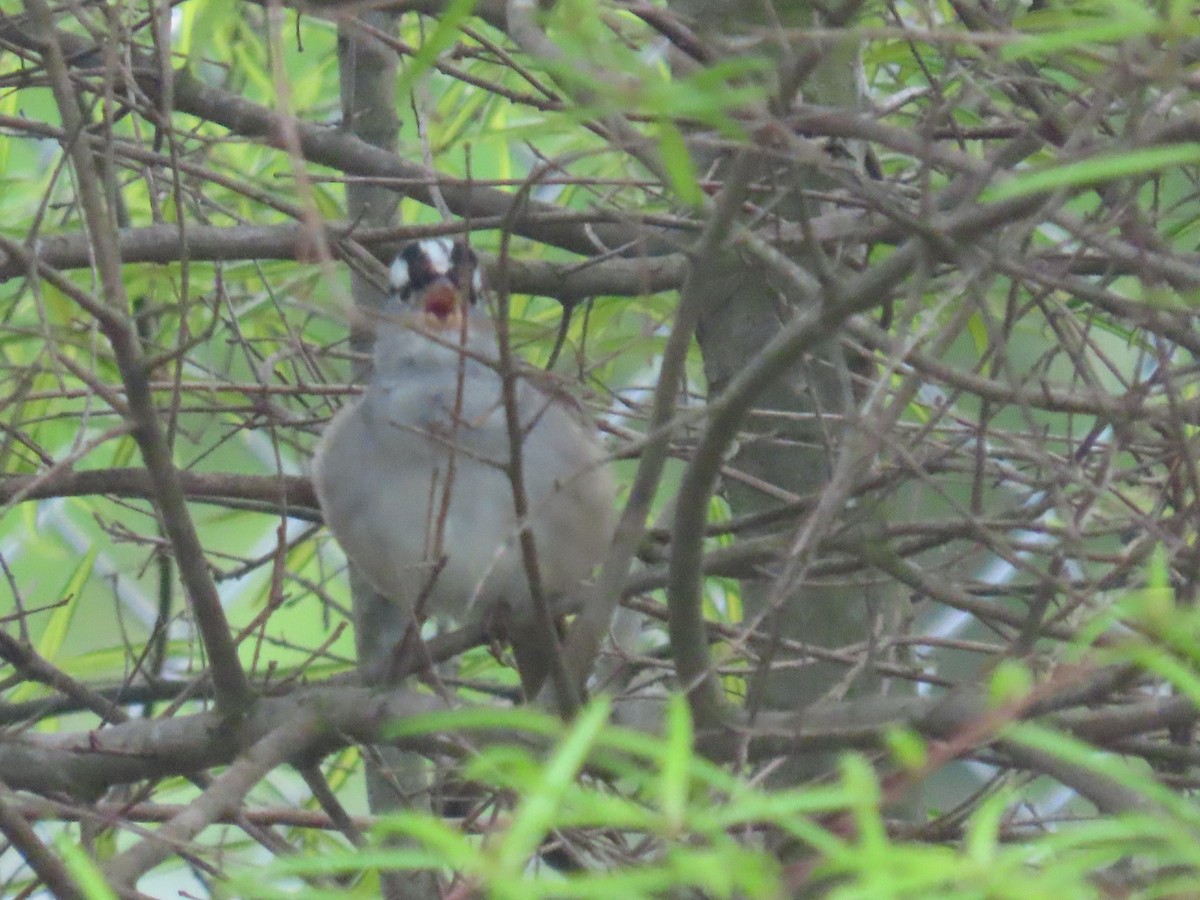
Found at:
(443, 307)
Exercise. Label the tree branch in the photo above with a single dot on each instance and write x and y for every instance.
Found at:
(232, 688)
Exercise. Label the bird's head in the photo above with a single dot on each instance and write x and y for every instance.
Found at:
(438, 282)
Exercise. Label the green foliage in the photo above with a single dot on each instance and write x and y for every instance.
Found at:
(1001, 349)
(625, 789)
(1074, 26)
(667, 796)
(84, 871)
(1095, 170)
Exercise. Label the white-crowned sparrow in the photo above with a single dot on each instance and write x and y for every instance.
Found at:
(414, 477)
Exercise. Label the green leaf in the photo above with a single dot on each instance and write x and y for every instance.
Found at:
(673, 784)
(1096, 170)
(983, 830)
(535, 814)
(862, 789)
(59, 623)
(443, 36)
(1010, 681)
(522, 718)
(907, 748)
(1084, 26)
(678, 164)
(444, 844)
(199, 23)
(1120, 771)
(85, 872)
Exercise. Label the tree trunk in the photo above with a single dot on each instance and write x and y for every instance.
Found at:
(793, 439)
(368, 88)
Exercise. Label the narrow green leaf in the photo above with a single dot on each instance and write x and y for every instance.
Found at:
(907, 748)
(521, 719)
(87, 876)
(1010, 681)
(1182, 676)
(441, 842)
(60, 619)
(678, 163)
(440, 39)
(8, 107)
(1080, 753)
(1102, 32)
(1096, 170)
(983, 829)
(1083, 25)
(673, 783)
(863, 789)
(535, 814)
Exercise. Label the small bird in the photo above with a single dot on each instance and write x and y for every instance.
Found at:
(414, 477)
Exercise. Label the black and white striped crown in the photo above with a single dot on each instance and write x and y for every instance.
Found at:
(426, 262)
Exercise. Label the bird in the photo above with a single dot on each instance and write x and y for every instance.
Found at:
(414, 476)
